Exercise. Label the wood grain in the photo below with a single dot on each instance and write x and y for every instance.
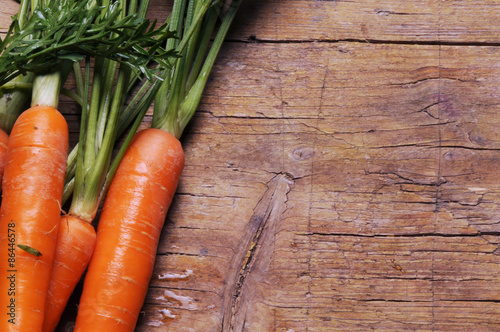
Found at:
(341, 174)
(411, 21)
(390, 221)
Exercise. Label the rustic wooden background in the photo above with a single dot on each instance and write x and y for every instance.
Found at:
(341, 174)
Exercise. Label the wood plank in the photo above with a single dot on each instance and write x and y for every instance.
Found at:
(411, 21)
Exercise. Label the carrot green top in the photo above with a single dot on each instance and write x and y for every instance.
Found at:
(44, 34)
(196, 22)
(61, 30)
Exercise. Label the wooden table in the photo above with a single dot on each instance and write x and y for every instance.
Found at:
(341, 174)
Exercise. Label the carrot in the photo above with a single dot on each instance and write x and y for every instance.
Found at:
(77, 237)
(32, 185)
(128, 232)
(32, 192)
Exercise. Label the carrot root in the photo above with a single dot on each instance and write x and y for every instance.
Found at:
(128, 233)
(29, 215)
(75, 244)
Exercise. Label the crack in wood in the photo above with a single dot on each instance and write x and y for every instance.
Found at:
(430, 42)
(431, 79)
(386, 12)
(252, 257)
(436, 235)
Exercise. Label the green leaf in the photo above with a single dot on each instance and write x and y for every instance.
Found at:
(71, 29)
(30, 250)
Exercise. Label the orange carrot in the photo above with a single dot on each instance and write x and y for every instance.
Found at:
(32, 191)
(4, 138)
(128, 233)
(75, 241)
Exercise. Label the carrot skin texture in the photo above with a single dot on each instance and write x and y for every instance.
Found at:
(29, 215)
(4, 138)
(128, 233)
(75, 244)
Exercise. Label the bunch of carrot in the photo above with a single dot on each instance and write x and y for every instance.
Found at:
(46, 253)
(42, 46)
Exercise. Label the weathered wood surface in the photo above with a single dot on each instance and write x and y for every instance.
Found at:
(341, 174)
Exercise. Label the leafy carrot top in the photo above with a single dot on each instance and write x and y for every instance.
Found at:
(70, 30)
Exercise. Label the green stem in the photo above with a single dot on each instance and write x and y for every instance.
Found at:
(193, 98)
(71, 29)
(205, 39)
(197, 20)
(71, 162)
(192, 72)
(46, 89)
(73, 95)
(85, 205)
(166, 115)
(176, 22)
(23, 12)
(47, 86)
(106, 99)
(93, 116)
(14, 99)
(69, 188)
(79, 81)
(17, 84)
(131, 111)
(81, 166)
